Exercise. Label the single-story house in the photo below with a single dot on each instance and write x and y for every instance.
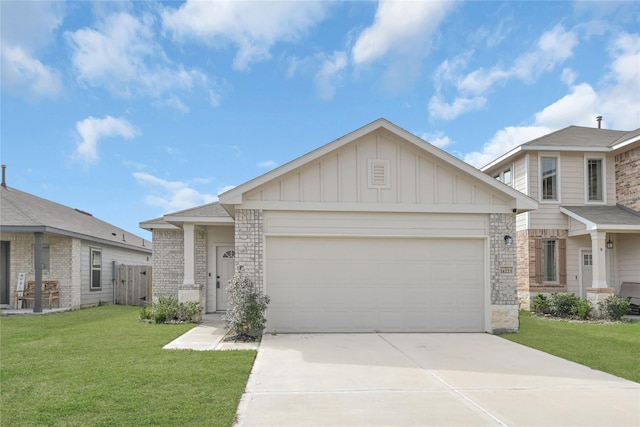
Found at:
(376, 231)
(79, 251)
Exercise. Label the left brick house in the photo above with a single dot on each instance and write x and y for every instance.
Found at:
(78, 250)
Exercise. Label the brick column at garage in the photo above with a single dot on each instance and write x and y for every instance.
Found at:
(503, 273)
(249, 244)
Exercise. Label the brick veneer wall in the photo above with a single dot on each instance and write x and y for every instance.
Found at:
(168, 262)
(528, 286)
(62, 253)
(627, 167)
(249, 244)
(503, 285)
(503, 274)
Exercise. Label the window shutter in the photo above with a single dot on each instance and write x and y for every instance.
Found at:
(538, 261)
(562, 260)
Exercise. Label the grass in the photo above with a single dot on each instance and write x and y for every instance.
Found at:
(102, 367)
(612, 348)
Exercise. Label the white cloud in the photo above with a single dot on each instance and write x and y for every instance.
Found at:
(92, 130)
(21, 72)
(226, 188)
(252, 27)
(329, 74)
(267, 164)
(172, 195)
(121, 54)
(616, 100)
(439, 139)
(503, 141)
(27, 30)
(552, 48)
(438, 108)
(399, 26)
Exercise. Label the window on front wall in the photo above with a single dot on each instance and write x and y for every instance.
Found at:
(96, 268)
(549, 260)
(594, 180)
(549, 173)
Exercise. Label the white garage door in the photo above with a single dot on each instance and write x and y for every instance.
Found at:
(333, 284)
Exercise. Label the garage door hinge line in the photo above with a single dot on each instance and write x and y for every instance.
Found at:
(449, 386)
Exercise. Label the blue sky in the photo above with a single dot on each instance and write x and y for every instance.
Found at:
(130, 110)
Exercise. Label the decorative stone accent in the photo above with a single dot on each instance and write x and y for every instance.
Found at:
(504, 319)
(503, 273)
(596, 296)
(191, 293)
(249, 244)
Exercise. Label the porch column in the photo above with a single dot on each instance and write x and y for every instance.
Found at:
(37, 300)
(598, 249)
(189, 254)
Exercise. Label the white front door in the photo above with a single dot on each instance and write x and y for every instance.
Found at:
(225, 267)
(587, 272)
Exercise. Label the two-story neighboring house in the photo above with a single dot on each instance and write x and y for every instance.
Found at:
(585, 236)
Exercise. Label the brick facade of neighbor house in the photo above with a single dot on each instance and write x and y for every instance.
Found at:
(249, 244)
(529, 244)
(628, 179)
(503, 274)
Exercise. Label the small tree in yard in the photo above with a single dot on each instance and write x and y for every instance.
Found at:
(247, 306)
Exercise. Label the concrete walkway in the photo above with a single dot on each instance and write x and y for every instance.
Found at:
(427, 380)
(208, 336)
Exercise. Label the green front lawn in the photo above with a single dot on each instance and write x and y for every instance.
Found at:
(612, 348)
(102, 367)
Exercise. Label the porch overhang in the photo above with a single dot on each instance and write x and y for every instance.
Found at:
(609, 219)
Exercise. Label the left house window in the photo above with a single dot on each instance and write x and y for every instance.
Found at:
(96, 268)
(44, 257)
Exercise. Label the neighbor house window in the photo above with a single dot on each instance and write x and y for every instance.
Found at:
(44, 257)
(96, 268)
(594, 180)
(549, 260)
(505, 176)
(549, 174)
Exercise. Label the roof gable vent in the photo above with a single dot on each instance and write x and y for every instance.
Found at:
(379, 173)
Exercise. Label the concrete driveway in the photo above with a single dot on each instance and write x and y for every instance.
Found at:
(427, 380)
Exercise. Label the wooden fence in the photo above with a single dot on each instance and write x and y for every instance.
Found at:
(134, 285)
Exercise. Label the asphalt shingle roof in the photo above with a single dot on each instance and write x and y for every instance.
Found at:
(20, 211)
(581, 137)
(606, 215)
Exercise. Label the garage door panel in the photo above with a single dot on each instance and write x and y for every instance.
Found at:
(374, 284)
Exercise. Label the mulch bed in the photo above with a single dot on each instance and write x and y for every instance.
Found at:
(240, 338)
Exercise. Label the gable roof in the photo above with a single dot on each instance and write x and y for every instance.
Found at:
(211, 213)
(24, 212)
(574, 138)
(234, 196)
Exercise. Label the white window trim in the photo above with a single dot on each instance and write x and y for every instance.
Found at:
(588, 157)
(500, 174)
(91, 269)
(558, 174)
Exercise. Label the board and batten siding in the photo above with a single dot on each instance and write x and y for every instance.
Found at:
(342, 176)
